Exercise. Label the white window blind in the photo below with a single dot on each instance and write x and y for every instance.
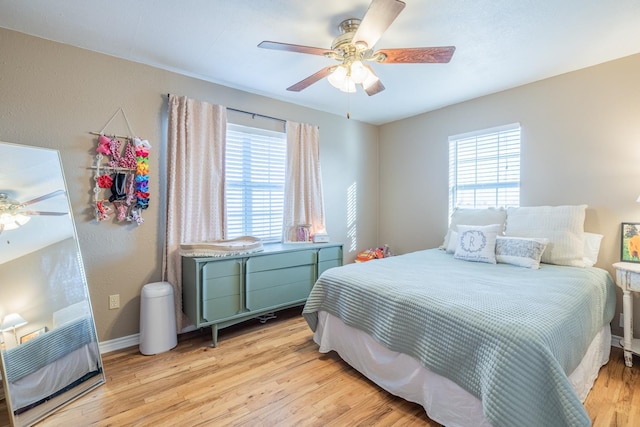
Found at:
(484, 168)
(254, 174)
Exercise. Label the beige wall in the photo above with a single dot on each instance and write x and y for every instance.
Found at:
(580, 133)
(39, 284)
(580, 144)
(53, 95)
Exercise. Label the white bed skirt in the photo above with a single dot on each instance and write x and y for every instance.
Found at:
(55, 376)
(444, 401)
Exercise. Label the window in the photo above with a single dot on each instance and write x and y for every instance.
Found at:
(254, 174)
(484, 168)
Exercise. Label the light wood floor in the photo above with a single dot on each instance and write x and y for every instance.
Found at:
(273, 375)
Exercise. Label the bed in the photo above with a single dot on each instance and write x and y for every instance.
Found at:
(475, 343)
(53, 363)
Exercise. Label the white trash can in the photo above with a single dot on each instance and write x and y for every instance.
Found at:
(157, 318)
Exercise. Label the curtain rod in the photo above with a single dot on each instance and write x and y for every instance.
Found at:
(254, 115)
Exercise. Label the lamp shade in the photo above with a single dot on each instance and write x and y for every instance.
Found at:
(11, 321)
(359, 73)
(341, 79)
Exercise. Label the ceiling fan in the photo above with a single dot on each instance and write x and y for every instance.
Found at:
(14, 215)
(354, 46)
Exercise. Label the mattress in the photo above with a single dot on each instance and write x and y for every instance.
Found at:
(443, 400)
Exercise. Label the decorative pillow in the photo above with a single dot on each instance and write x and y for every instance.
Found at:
(591, 248)
(562, 225)
(477, 243)
(520, 251)
(485, 216)
(453, 242)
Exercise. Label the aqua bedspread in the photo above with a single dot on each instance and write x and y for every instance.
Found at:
(508, 335)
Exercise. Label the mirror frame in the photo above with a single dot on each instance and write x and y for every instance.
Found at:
(70, 330)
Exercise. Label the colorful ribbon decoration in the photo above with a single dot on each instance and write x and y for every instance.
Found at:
(142, 172)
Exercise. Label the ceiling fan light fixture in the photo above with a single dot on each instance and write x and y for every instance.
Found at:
(348, 85)
(359, 73)
(341, 79)
(12, 221)
(337, 77)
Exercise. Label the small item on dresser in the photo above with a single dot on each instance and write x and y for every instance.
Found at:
(219, 248)
(303, 232)
(321, 238)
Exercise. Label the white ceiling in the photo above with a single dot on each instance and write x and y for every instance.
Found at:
(25, 174)
(499, 43)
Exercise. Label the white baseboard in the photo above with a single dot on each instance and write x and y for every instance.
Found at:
(615, 341)
(119, 343)
(129, 341)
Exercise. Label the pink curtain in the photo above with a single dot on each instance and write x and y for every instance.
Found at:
(303, 200)
(195, 183)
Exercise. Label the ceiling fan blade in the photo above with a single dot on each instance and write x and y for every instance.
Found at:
(415, 55)
(295, 48)
(44, 197)
(375, 87)
(379, 16)
(303, 84)
(43, 213)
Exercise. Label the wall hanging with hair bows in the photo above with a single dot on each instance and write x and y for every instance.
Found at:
(121, 176)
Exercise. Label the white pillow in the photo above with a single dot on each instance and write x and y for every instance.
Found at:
(453, 242)
(486, 216)
(520, 251)
(591, 248)
(477, 243)
(562, 225)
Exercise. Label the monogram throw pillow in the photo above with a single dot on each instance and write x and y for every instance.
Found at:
(477, 243)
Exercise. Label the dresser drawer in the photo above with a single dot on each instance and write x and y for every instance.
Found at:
(278, 287)
(281, 260)
(221, 289)
(221, 308)
(221, 279)
(327, 254)
(215, 269)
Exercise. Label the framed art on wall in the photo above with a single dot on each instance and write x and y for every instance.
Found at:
(32, 335)
(630, 242)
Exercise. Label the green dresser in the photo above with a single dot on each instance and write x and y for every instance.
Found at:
(222, 291)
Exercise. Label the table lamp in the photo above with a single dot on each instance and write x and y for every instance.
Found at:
(12, 321)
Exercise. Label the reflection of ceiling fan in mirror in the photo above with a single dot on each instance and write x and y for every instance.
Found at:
(354, 46)
(14, 214)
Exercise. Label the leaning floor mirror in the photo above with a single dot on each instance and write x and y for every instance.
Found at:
(49, 347)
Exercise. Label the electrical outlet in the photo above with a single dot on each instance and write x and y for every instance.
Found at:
(114, 301)
(621, 320)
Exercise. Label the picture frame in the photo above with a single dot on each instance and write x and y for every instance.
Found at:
(630, 242)
(32, 335)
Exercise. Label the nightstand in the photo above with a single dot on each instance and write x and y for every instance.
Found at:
(628, 279)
